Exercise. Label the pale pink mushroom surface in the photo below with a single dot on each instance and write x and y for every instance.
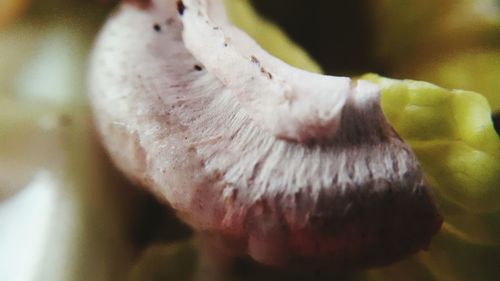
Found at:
(264, 159)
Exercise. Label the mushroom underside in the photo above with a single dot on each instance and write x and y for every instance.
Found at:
(353, 200)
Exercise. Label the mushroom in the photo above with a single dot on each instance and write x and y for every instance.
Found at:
(261, 158)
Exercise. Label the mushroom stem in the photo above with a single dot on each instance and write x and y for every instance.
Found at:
(288, 102)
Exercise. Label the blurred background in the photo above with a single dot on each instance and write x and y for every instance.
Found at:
(66, 214)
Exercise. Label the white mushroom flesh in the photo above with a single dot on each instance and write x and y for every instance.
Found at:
(269, 160)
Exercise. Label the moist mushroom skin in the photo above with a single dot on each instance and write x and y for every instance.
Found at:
(354, 198)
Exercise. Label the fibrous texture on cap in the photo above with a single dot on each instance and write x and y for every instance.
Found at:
(266, 159)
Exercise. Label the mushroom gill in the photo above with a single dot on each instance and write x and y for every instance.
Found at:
(267, 160)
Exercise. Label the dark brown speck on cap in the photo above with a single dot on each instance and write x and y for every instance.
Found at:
(180, 7)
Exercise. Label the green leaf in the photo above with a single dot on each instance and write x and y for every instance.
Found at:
(452, 133)
(477, 70)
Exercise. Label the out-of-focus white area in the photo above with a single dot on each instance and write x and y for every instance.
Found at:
(62, 214)
(487, 8)
(61, 49)
(41, 77)
(27, 220)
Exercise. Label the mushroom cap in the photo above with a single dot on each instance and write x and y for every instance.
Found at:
(171, 122)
